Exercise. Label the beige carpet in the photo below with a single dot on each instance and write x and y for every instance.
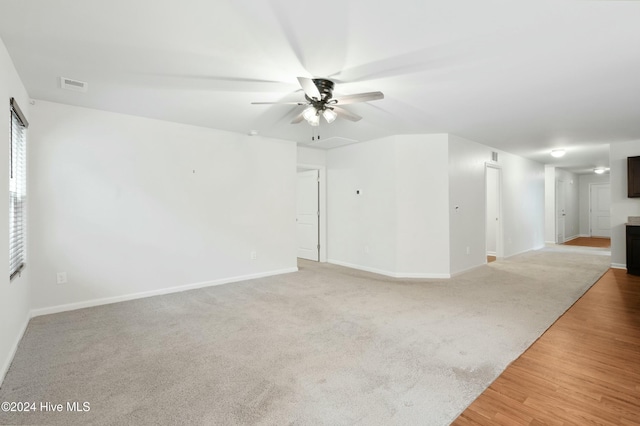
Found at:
(324, 346)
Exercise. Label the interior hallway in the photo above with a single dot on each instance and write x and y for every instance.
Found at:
(599, 242)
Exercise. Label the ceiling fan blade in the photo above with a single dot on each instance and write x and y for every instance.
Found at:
(278, 103)
(359, 97)
(282, 14)
(309, 88)
(423, 60)
(346, 114)
(211, 82)
(297, 119)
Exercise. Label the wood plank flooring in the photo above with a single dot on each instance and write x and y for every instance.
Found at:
(584, 370)
(590, 242)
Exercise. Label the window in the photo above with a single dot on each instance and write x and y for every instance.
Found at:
(17, 191)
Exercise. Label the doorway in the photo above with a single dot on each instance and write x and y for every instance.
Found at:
(493, 213)
(320, 191)
(308, 215)
(599, 210)
(561, 213)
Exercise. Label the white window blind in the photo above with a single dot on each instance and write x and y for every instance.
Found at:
(17, 191)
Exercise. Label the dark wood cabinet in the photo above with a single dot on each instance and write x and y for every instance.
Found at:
(633, 177)
(633, 249)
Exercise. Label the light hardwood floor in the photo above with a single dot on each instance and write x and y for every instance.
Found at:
(584, 370)
(590, 242)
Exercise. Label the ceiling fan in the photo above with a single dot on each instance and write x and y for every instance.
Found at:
(318, 93)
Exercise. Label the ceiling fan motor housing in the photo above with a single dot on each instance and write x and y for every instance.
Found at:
(325, 87)
(319, 101)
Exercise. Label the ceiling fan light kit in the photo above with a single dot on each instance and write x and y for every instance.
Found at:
(318, 94)
(314, 120)
(309, 113)
(329, 115)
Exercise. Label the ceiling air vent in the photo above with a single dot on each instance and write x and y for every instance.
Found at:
(75, 85)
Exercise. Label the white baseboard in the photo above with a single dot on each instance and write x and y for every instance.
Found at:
(525, 251)
(584, 236)
(7, 362)
(361, 268)
(491, 253)
(421, 275)
(619, 265)
(115, 299)
(571, 238)
(455, 274)
(387, 273)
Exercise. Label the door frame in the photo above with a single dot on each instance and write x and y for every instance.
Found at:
(322, 202)
(560, 183)
(500, 230)
(591, 184)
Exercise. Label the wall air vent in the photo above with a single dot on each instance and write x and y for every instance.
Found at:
(74, 85)
(494, 156)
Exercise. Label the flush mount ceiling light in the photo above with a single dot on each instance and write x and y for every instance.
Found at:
(557, 153)
(599, 170)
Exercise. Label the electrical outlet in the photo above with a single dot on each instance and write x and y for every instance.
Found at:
(254, 255)
(61, 278)
(468, 250)
(366, 249)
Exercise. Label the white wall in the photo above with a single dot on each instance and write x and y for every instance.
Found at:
(572, 218)
(422, 196)
(14, 295)
(523, 183)
(128, 205)
(523, 204)
(621, 205)
(583, 199)
(493, 209)
(317, 157)
(362, 227)
(398, 224)
(406, 215)
(467, 203)
(549, 204)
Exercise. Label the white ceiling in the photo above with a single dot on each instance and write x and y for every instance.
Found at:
(521, 76)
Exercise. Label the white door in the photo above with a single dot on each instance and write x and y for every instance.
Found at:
(560, 211)
(600, 199)
(493, 209)
(307, 215)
